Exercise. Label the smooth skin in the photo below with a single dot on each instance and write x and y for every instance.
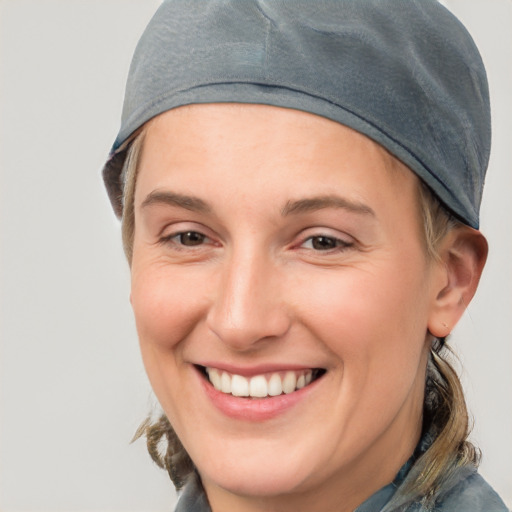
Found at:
(268, 236)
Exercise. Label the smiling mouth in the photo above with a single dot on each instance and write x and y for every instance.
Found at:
(263, 385)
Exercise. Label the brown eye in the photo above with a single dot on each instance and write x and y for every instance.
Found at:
(191, 238)
(323, 243)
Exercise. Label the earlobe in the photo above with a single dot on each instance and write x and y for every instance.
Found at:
(463, 253)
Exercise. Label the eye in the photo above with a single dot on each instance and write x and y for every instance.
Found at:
(324, 243)
(190, 238)
(186, 238)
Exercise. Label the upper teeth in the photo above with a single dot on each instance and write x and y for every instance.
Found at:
(259, 386)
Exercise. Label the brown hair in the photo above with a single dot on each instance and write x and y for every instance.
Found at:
(445, 412)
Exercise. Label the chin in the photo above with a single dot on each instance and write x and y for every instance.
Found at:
(258, 471)
(255, 482)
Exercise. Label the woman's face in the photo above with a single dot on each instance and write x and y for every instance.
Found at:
(274, 247)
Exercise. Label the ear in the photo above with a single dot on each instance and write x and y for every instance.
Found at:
(463, 253)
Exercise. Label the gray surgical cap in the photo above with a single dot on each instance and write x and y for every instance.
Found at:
(406, 73)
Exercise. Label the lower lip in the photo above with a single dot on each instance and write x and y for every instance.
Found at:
(254, 409)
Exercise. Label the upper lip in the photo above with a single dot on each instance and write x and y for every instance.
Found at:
(249, 371)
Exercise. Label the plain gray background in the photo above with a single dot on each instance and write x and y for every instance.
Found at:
(72, 387)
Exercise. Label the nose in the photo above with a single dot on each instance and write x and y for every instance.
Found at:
(248, 306)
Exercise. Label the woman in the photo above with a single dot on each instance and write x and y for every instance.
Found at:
(299, 185)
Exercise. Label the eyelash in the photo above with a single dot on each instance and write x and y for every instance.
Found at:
(334, 244)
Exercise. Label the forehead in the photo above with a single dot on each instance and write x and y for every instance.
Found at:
(254, 126)
(260, 147)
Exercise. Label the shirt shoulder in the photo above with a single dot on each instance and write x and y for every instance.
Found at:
(473, 494)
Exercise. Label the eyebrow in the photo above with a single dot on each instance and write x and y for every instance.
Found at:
(173, 199)
(290, 208)
(320, 202)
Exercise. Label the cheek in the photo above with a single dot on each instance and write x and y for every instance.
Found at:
(167, 305)
(387, 298)
(373, 317)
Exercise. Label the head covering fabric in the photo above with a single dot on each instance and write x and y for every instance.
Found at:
(406, 73)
